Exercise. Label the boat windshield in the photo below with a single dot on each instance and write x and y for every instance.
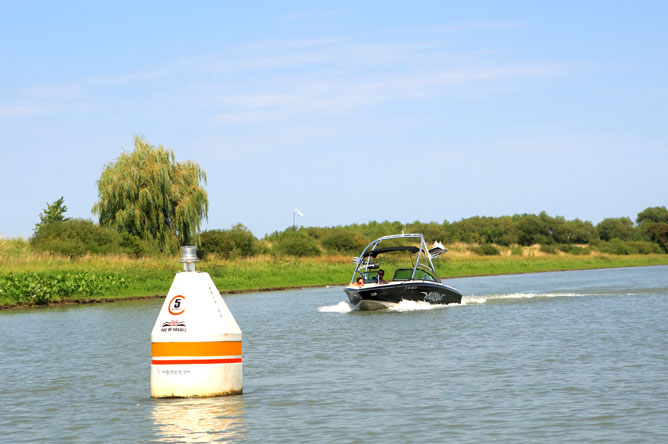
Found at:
(400, 250)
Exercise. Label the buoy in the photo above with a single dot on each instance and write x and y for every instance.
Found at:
(195, 342)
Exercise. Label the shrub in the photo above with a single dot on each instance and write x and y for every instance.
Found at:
(485, 250)
(316, 232)
(574, 249)
(549, 249)
(296, 243)
(617, 246)
(76, 237)
(643, 247)
(340, 240)
(235, 242)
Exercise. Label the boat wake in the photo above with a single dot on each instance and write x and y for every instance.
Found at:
(341, 307)
(483, 299)
(403, 306)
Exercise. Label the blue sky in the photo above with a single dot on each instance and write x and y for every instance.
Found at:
(350, 111)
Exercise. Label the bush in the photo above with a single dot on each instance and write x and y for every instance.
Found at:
(76, 237)
(549, 249)
(642, 247)
(516, 250)
(236, 242)
(574, 250)
(617, 246)
(296, 243)
(340, 240)
(485, 250)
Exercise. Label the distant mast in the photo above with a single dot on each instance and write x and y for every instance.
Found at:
(295, 212)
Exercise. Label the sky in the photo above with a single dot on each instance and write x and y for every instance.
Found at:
(349, 111)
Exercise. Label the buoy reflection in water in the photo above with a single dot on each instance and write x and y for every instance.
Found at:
(199, 419)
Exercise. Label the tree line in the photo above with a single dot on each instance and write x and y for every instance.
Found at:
(149, 204)
(648, 235)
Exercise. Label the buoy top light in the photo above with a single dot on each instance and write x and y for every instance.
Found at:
(189, 257)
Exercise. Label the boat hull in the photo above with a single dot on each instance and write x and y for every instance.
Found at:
(431, 292)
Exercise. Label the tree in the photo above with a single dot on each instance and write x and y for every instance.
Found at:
(296, 243)
(343, 240)
(615, 228)
(577, 232)
(52, 213)
(653, 214)
(534, 229)
(148, 194)
(76, 237)
(235, 242)
(659, 233)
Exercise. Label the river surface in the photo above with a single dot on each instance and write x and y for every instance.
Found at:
(578, 356)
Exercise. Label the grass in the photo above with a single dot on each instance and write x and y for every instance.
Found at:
(147, 277)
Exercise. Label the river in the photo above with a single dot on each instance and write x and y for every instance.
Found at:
(578, 356)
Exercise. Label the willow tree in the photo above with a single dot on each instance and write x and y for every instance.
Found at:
(148, 194)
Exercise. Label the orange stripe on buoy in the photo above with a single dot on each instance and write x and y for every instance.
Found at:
(223, 348)
(195, 361)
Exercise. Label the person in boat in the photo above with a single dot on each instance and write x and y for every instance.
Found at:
(359, 282)
(379, 278)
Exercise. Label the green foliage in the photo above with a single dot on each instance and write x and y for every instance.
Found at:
(615, 228)
(235, 242)
(653, 214)
(575, 250)
(432, 231)
(549, 249)
(13, 249)
(76, 237)
(342, 240)
(42, 288)
(296, 243)
(485, 250)
(316, 232)
(54, 212)
(374, 229)
(617, 246)
(488, 230)
(534, 229)
(658, 232)
(574, 231)
(148, 194)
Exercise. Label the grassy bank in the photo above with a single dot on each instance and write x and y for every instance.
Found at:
(133, 278)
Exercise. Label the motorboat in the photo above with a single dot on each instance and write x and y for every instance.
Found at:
(417, 282)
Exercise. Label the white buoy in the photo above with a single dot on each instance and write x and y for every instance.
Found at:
(196, 343)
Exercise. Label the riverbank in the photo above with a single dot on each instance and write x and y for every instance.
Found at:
(152, 277)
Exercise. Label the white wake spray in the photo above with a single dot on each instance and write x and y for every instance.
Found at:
(403, 306)
(483, 299)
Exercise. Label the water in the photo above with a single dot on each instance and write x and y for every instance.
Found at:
(576, 356)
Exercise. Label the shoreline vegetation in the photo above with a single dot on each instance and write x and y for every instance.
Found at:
(29, 278)
(77, 260)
